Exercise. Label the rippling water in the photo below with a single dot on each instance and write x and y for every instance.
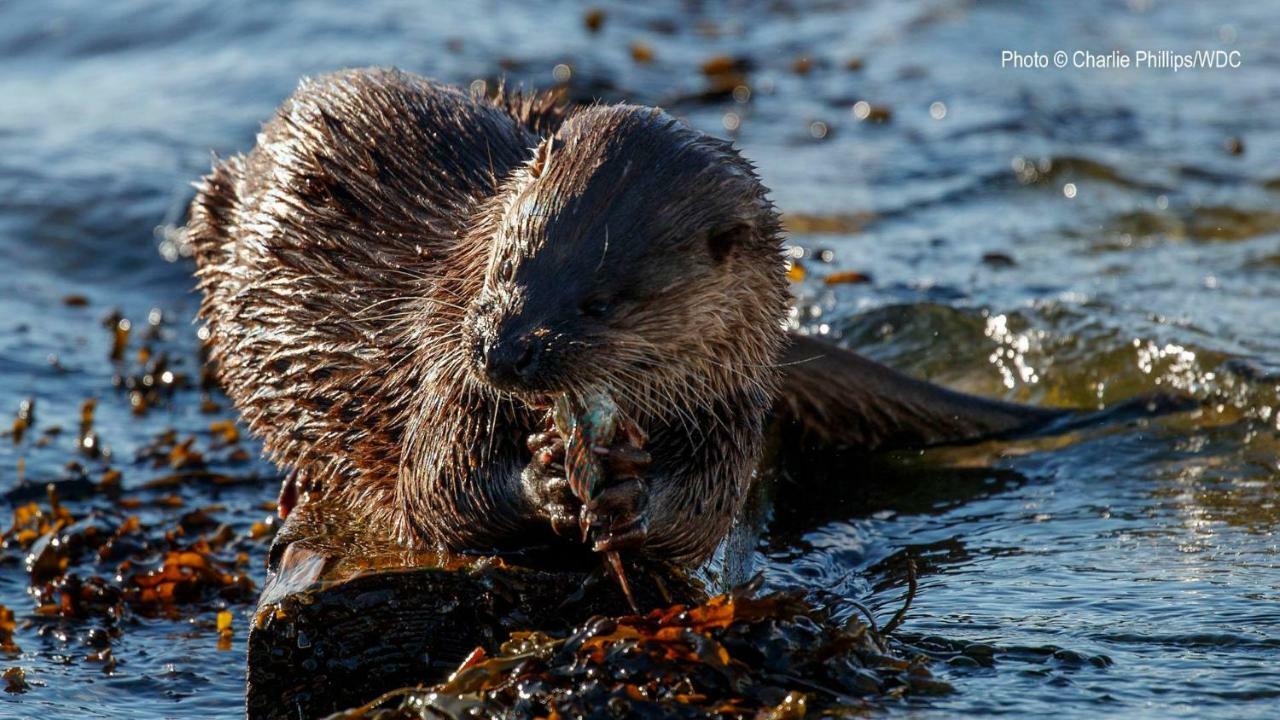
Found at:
(1053, 236)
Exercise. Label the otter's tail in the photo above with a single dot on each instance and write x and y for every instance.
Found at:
(835, 398)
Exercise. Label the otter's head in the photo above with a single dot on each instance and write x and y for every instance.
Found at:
(635, 252)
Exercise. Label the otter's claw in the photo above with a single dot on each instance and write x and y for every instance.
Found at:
(548, 451)
(545, 484)
(618, 517)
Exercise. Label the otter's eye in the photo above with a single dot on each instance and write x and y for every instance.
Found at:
(595, 308)
(506, 271)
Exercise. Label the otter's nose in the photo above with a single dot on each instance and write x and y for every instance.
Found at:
(512, 359)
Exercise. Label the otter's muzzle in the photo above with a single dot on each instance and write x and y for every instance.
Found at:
(512, 360)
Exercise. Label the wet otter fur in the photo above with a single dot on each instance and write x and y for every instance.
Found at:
(398, 275)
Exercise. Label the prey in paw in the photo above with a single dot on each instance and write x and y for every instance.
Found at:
(616, 516)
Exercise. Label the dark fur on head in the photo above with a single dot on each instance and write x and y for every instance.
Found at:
(369, 265)
(632, 251)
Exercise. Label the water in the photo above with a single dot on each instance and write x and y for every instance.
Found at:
(1128, 571)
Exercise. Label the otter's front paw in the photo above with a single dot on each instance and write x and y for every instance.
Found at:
(545, 484)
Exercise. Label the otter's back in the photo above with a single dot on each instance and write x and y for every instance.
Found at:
(351, 211)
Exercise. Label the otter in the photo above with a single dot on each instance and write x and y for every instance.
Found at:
(399, 276)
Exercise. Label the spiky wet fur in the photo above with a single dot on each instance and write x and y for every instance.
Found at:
(340, 261)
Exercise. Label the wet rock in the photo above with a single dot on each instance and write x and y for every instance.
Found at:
(998, 260)
(15, 681)
(343, 604)
(736, 655)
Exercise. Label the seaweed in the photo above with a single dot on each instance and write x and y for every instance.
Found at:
(738, 655)
(101, 563)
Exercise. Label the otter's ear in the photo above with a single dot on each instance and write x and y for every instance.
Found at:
(722, 241)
